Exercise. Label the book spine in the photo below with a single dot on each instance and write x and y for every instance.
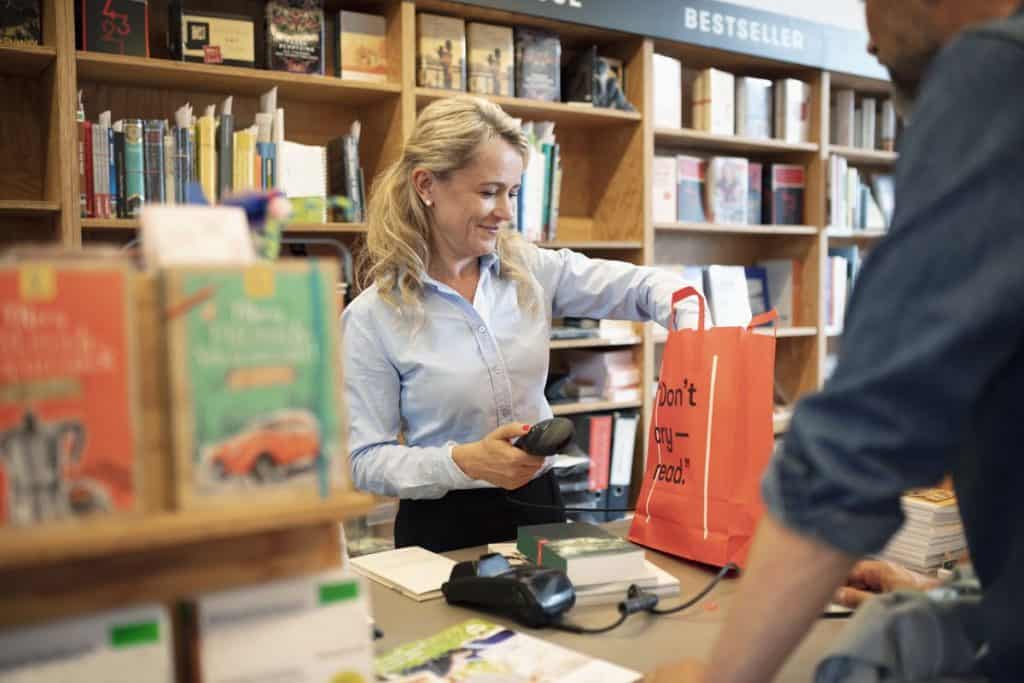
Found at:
(225, 155)
(135, 168)
(352, 176)
(88, 186)
(115, 209)
(556, 193)
(206, 159)
(99, 171)
(122, 195)
(268, 164)
(182, 162)
(153, 153)
(549, 168)
(170, 177)
(83, 192)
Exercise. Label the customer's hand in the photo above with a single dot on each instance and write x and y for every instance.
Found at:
(870, 577)
(493, 459)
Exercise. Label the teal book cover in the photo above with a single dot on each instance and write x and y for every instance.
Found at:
(256, 381)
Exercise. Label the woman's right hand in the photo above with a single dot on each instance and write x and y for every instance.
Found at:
(871, 577)
(495, 460)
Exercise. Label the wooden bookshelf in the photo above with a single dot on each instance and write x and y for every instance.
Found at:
(865, 157)
(132, 224)
(16, 207)
(557, 344)
(149, 72)
(592, 407)
(121, 535)
(660, 336)
(696, 139)
(28, 61)
(537, 110)
(593, 245)
(726, 229)
(855, 235)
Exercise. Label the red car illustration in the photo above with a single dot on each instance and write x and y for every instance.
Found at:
(269, 447)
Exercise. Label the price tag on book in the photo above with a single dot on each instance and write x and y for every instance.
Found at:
(37, 283)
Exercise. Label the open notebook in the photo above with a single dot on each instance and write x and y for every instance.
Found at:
(414, 572)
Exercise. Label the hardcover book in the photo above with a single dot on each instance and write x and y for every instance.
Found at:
(538, 64)
(727, 195)
(69, 437)
(255, 382)
(441, 53)
(295, 36)
(586, 553)
(134, 166)
(690, 193)
(491, 59)
(755, 194)
(664, 189)
(668, 95)
(579, 77)
(714, 102)
(20, 23)
(887, 126)
(361, 47)
(785, 185)
(792, 110)
(116, 26)
(754, 107)
(211, 37)
(843, 116)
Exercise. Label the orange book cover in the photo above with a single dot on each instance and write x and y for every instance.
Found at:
(68, 433)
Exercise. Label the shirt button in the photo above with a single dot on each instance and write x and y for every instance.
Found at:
(482, 329)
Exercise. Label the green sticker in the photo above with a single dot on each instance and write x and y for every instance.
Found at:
(338, 592)
(131, 635)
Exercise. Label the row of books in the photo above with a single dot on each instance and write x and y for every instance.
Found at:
(726, 104)
(538, 202)
(293, 33)
(729, 190)
(316, 627)
(869, 124)
(735, 294)
(247, 358)
(129, 163)
(859, 200)
(596, 376)
(488, 59)
(932, 536)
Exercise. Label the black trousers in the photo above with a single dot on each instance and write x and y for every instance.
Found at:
(472, 517)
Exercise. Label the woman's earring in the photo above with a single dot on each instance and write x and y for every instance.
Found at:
(428, 203)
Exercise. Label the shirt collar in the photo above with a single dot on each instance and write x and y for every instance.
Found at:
(489, 262)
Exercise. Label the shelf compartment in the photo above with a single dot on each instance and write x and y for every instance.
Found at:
(559, 112)
(557, 344)
(865, 157)
(727, 229)
(150, 72)
(699, 139)
(592, 406)
(17, 207)
(27, 60)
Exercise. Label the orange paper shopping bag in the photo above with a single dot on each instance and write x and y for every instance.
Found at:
(710, 442)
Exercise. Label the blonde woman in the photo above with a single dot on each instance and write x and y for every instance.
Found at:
(449, 341)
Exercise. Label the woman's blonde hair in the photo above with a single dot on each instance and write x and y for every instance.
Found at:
(447, 135)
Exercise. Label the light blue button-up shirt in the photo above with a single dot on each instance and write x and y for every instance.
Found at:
(470, 367)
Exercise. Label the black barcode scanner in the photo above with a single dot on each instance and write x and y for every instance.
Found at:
(547, 437)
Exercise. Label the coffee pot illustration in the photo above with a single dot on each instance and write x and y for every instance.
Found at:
(34, 455)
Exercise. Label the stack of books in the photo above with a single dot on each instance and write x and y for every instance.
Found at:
(600, 565)
(932, 534)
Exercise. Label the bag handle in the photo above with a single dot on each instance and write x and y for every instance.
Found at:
(678, 296)
(771, 316)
